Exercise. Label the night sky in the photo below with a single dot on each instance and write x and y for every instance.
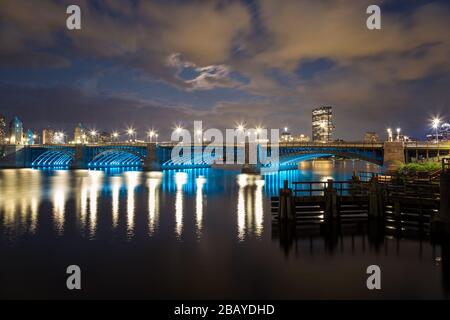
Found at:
(162, 63)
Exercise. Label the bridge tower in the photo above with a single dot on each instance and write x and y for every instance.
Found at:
(251, 165)
(80, 161)
(394, 155)
(151, 162)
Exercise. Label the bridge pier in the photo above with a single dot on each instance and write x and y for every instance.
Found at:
(251, 158)
(394, 155)
(79, 161)
(151, 162)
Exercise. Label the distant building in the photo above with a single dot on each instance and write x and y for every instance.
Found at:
(322, 124)
(286, 136)
(443, 133)
(302, 138)
(48, 136)
(16, 131)
(3, 133)
(29, 137)
(80, 135)
(59, 138)
(371, 137)
(105, 137)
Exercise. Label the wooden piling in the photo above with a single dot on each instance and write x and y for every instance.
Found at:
(331, 212)
(286, 209)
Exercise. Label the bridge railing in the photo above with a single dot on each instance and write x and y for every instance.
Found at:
(313, 188)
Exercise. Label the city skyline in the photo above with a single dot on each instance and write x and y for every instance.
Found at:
(161, 64)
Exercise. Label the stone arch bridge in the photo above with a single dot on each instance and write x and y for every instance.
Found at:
(152, 156)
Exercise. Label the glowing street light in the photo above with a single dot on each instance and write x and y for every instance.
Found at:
(286, 129)
(435, 124)
(398, 134)
(389, 131)
(115, 135)
(131, 132)
(240, 127)
(151, 134)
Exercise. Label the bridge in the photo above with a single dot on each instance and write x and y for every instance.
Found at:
(153, 156)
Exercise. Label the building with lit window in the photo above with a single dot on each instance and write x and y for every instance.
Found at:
(16, 131)
(48, 136)
(80, 135)
(322, 124)
(3, 134)
(30, 137)
(371, 137)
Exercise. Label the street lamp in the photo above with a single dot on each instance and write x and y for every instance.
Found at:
(131, 132)
(436, 122)
(240, 127)
(389, 130)
(156, 138)
(94, 135)
(398, 134)
(151, 134)
(115, 135)
(199, 134)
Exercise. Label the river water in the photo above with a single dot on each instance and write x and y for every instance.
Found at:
(203, 233)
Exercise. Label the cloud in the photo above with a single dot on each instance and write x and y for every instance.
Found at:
(197, 46)
(202, 78)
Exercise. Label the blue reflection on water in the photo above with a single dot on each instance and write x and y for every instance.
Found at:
(317, 170)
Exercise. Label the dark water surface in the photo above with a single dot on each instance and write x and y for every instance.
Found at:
(203, 233)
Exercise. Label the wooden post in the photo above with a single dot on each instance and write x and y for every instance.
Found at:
(286, 209)
(376, 200)
(331, 212)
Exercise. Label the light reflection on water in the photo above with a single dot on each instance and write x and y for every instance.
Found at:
(24, 191)
(206, 219)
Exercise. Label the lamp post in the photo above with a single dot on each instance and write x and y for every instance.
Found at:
(151, 134)
(398, 134)
(389, 130)
(131, 132)
(436, 122)
(94, 136)
(199, 135)
(115, 136)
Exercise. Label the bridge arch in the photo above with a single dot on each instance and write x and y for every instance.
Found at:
(116, 158)
(53, 158)
(290, 160)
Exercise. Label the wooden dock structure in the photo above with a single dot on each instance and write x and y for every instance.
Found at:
(413, 203)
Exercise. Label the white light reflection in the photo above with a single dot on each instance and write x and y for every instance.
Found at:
(116, 184)
(200, 182)
(250, 212)
(95, 182)
(242, 182)
(132, 181)
(180, 181)
(259, 208)
(20, 190)
(59, 191)
(153, 182)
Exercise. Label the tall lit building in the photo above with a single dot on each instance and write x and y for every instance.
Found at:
(322, 124)
(48, 136)
(80, 135)
(105, 137)
(3, 133)
(371, 137)
(29, 138)
(16, 131)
